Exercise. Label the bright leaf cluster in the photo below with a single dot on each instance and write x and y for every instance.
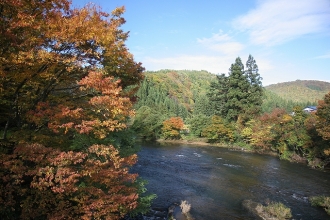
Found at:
(172, 127)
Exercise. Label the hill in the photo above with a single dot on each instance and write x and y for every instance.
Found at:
(173, 88)
(301, 90)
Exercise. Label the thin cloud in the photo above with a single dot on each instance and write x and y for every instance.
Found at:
(274, 22)
(223, 43)
(325, 56)
(213, 64)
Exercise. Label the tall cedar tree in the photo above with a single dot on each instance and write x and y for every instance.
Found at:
(239, 94)
(64, 72)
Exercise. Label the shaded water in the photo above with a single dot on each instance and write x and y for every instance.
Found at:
(215, 181)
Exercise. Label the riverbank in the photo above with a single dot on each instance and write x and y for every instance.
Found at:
(200, 142)
(203, 142)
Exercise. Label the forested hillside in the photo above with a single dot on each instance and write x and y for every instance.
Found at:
(184, 91)
(173, 91)
(301, 90)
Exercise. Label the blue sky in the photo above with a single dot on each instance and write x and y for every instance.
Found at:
(289, 39)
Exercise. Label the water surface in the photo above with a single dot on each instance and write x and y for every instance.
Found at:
(215, 180)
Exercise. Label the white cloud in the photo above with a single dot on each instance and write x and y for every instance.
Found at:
(274, 22)
(222, 43)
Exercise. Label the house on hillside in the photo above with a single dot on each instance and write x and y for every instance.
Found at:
(310, 109)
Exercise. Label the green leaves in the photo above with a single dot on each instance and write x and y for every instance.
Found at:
(238, 94)
(218, 131)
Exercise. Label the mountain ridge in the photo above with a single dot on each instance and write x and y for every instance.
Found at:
(301, 90)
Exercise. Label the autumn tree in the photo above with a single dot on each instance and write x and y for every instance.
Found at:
(172, 127)
(64, 73)
(67, 46)
(286, 134)
(323, 120)
(218, 131)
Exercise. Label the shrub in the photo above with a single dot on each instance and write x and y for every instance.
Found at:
(278, 210)
(321, 201)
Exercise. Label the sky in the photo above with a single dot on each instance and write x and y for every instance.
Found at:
(289, 39)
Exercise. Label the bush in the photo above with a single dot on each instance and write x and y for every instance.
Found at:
(278, 210)
(321, 201)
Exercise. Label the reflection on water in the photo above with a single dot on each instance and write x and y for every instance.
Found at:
(215, 181)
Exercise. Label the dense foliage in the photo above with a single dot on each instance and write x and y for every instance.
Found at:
(67, 82)
(168, 93)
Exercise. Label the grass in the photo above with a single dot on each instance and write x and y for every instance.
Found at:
(275, 210)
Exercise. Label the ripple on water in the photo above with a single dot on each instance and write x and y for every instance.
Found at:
(197, 155)
(231, 165)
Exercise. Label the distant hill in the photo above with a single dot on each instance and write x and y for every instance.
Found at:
(301, 90)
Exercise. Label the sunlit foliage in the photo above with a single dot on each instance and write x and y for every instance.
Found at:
(66, 75)
(172, 127)
(218, 131)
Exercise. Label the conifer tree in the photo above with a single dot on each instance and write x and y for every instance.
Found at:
(239, 94)
(217, 95)
(256, 91)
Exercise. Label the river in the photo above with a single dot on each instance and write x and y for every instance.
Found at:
(216, 180)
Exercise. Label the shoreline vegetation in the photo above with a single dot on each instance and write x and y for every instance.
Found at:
(203, 142)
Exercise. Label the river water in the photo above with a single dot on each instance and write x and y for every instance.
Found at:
(216, 180)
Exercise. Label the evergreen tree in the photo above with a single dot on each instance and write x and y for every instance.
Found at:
(256, 91)
(217, 95)
(202, 105)
(238, 91)
(238, 94)
(197, 123)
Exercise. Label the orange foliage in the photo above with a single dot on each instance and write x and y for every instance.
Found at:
(172, 127)
(323, 121)
(64, 71)
(57, 185)
(323, 113)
